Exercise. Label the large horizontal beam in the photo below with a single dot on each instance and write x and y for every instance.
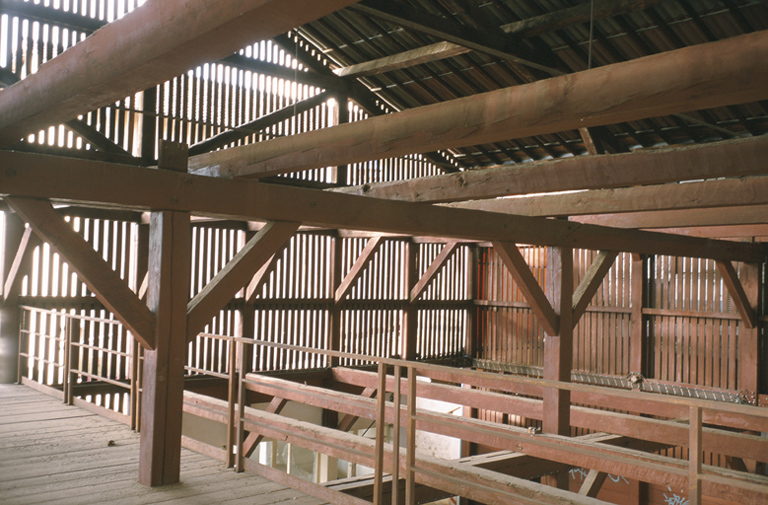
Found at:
(726, 72)
(719, 216)
(155, 42)
(63, 179)
(731, 158)
(657, 197)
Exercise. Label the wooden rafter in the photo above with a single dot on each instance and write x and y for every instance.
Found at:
(403, 60)
(148, 45)
(738, 295)
(243, 131)
(655, 85)
(734, 158)
(371, 247)
(105, 283)
(221, 289)
(432, 271)
(517, 266)
(591, 282)
(452, 31)
(141, 188)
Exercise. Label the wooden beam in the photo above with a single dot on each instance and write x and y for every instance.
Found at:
(140, 188)
(730, 158)
(105, 283)
(222, 288)
(592, 483)
(170, 258)
(346, 423)
(665, 83)
(405, 59)
(591, 282)
(738, 295)
(746, 191)
(432, 271)
(255, 126)
(21, 261)
(253, 290)
(371, 247)
(148, 45)
(750, 361)
(517, 266)
(713, 216)
(252, 440)
(452, 31)
(575, 15)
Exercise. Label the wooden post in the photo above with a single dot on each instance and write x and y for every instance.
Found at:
(694, 457)
(638, 358)
(149, 125)
(411, 311)
(163, 379)
(334, 343)
(749, 338)
(9, 310)
(378, 476)
(410, 451)
(396, 438)
(558, 349)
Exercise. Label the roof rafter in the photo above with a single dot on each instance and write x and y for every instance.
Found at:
(708, 75)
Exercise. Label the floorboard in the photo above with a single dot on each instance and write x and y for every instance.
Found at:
(58, 454)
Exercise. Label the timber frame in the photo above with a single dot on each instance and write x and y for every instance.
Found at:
(468, 210)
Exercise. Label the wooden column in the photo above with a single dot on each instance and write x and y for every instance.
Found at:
(638, 359)
(334, 343)
(170, 244)
(558, 349)
(9, 310)
(749, 338)
(411, 312)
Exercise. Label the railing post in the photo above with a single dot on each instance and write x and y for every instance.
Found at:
(233, 394)
(240, 412)
(72, 330)
(396, 439)
(410, 454)
(694, 456)
(378, 479)
(22, 371)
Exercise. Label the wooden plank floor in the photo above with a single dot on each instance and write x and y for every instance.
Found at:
(54, 453)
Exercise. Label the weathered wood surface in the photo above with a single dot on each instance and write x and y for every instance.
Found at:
(53, 453)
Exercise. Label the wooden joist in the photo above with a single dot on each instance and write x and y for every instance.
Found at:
(138, 188)
(710, 75)
(156, 42)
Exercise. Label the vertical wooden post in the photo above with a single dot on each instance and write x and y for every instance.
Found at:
(749, 338)
(340, 117)
(378, 476)
(471, 346)
(163, 379)
(410, 312)
(694, 457)
(334, 343)
(558, 349)
(9, 310)
(240, 413)
(141, 253)
(638, 355)
(149, 125)
(396, 438)
(410, 451)
(73, 335)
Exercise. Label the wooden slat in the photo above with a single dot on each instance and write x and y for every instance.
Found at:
(109, 288)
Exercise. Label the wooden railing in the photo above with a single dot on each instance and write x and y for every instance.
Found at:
(58, 349)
